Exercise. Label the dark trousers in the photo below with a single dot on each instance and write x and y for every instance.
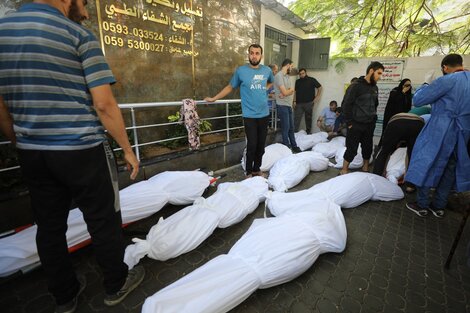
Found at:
(301, 109)
(287, 125)
(359, 133)
(256, 130)
(443, 188)
(89, 178)
(397, 131)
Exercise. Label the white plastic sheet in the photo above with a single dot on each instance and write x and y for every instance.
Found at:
(288, 172)
(396, 165)
(384, 190)
(182, 187)
(138, 201)
(272, 153)
(234, 201)
(19, 250)
(271, 252)
(275, 250)
(353, 189)
(279, 202)
(356, 163)
(189, 227)
(316, 160)
(217, 286)
(327, 221)
(306, 142)
(180, 233)
(329, 149)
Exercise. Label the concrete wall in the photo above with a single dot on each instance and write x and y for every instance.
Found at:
(272, 19)
(333, 83)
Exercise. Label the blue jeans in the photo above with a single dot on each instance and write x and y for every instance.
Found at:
(287, 125)
(442, 189)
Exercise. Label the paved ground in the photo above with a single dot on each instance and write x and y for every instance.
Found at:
(393, 262)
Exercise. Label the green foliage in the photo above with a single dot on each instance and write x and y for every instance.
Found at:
(340, 63)
(398, 28)
(235, 109)
(179, 130)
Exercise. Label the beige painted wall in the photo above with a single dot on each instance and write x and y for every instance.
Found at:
(333, 83)
(272, 19)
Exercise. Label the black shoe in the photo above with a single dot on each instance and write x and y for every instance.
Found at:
(437, 212)
(296, 150)
(416, 209)
(71, 306)
(134, 277)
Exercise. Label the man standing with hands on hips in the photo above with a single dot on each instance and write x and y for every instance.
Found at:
(55, 103)
(253, 80)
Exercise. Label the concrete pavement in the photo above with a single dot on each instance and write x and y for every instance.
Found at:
(393, 262)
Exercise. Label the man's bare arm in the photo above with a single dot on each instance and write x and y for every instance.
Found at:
(6, 122)
(286, 92)
(111, 117)
(227, 89)
(318, 95)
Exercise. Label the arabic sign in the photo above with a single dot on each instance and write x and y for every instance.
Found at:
(393, 70)
(169, 50)
(159, 26)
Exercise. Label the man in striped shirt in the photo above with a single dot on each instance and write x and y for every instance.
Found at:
(55, 102)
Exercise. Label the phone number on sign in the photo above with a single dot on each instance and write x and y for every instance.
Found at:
(133, 44)
(137, 32)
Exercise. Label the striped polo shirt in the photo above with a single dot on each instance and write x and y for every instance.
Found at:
(48, 64)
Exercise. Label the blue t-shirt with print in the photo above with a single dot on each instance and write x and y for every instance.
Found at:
(252, 83)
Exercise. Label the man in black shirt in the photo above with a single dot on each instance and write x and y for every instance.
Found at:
(360, 113)
(307, 91)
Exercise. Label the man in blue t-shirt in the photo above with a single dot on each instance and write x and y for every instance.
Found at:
(253, 80)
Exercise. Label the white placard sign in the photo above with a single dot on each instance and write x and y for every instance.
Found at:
(393, 70)
(384, 93)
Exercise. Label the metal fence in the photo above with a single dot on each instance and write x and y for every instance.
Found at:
(134, 127)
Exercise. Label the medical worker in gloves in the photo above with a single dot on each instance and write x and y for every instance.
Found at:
(440, 157)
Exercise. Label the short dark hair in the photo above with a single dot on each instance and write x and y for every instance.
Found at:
(255, 45)
(333, 102)
(375, 66)
(452, 60)
(271, 66)
(303, 69)
(286, 62)
(354, 79)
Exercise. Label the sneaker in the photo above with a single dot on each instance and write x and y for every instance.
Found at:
(134, 278)
(296, 150)
(416, 209)
(437, 212)
(71, 306)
